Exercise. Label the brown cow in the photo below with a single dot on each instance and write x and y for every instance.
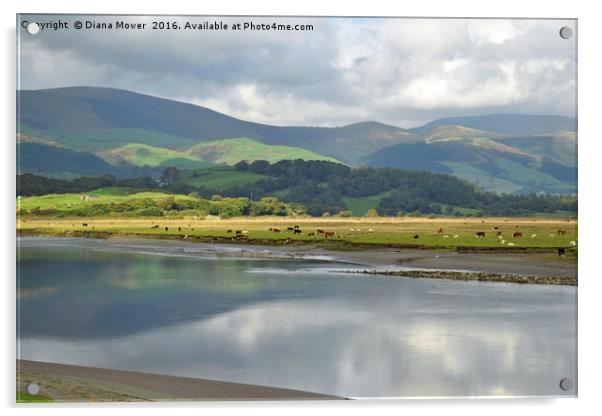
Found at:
(329, 234)
(275, 230)
(440, 230)
(517, 234)
(479, 234)
(320, 231)
(561, 232)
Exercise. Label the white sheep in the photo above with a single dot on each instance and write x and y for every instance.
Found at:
(456, 236)
(446, 236)
(503, 241)
(370, 230)
(533, 235)
(510, 244)
(573, 243)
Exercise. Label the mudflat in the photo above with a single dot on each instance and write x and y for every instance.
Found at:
(71, 383)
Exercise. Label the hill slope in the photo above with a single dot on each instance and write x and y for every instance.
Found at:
(493, 164)
(508, 124)
(88, 118)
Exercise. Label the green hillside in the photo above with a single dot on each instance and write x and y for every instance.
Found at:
(492, 161)
(142, 154)
(500, 152)
(90, 118)
(227, 151)
(231, 151)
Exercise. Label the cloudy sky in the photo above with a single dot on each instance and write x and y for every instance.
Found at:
(399, 71)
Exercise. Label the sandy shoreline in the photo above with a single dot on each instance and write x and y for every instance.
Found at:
(71, 383)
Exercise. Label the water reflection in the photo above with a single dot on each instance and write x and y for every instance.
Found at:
(346, 335)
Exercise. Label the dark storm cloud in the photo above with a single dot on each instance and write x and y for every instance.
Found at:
(398, 71)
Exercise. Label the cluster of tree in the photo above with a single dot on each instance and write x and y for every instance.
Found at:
(322, 186)
(172, 206)
(29, 184)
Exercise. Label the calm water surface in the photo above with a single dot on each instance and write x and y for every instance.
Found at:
(289, 323)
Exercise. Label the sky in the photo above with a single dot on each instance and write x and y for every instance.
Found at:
(403, 72)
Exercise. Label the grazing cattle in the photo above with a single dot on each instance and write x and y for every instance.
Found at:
(320, 231)
(561, 232)
(238, 232)
(495, 228)
(290, 229)
(416, 236)
(84, 224)
(479, 234)
(561, 252)
(329, 234)
(517, 234)
(275, 230)
(499, 233)
(311, 234)
(155, 226)
(179, 229)
(516, 226)
(296, 227)
(230, 231)
(297, 231)
(440, 231)
(166, 229)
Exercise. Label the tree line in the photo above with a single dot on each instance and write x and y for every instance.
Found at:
(321, 188)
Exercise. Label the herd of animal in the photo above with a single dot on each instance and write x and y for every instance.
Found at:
(241, 235)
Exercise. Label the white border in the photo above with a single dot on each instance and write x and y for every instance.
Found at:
(590, 135)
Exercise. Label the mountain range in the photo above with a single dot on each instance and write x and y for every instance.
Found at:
(76, 131)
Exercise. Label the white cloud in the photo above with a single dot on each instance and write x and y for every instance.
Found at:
(399, 71)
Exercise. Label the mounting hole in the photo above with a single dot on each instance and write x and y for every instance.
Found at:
(33, 389)
(566, 32)
(566, 384)
(33, 28)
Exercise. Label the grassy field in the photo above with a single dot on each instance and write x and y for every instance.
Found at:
(23, 397)
(230, 151)
(349, 232)
(142, 154)
(104, 195)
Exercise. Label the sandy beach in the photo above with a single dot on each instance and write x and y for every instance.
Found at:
(70, 383)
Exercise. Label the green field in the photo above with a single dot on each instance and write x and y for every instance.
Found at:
(103, 195)
(484, 180)
(349, 232)
(142, 154)
(359, 206)
(231, 151)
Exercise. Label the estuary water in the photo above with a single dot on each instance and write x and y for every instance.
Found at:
(290, 323)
